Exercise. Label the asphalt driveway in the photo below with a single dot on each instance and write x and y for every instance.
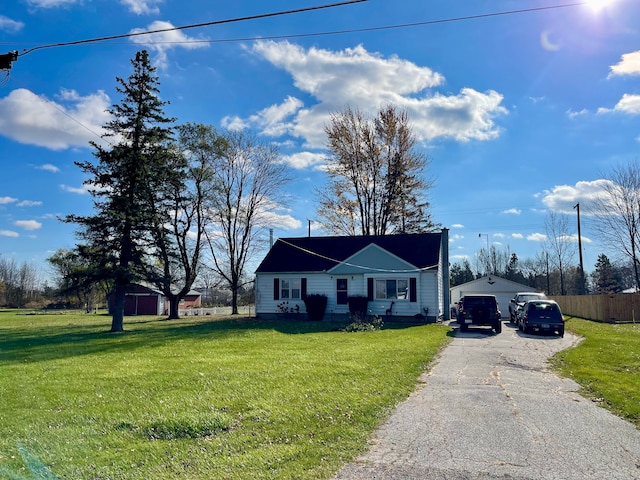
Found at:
(490, 409)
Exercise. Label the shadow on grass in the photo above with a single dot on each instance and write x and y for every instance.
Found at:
(34, 344)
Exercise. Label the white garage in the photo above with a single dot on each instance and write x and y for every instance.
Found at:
(503, 289)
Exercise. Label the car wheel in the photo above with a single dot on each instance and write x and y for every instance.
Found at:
(561, 332)
(498, 326)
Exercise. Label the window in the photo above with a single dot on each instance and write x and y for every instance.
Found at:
(290, 288)
(392, 289)
(342, 292)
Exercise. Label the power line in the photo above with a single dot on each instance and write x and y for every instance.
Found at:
(310, 34)
(195, 25)
(373, 29)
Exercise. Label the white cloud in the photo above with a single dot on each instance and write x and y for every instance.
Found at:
(368, 81)
(512, 211)
(29, 203)
(6, 200)
(142, 7)
(10, 26)
(629, 104)
(574, 114)
(302, 160)
(563, 198)
(9, 233)
(48, 167)
(74, 121)
(537, 237)
(234, 123)
(273, 121)
(628, 65)
(517, 236)
(573, 238)
(28, 224)
(50, 3)
(162, 42)
(79, 190)
(457, 225)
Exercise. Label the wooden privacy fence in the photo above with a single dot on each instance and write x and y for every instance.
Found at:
(614, 308)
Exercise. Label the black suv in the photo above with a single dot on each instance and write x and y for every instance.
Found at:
(479, 310)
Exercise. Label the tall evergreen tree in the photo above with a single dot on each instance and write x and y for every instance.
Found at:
(606, 278)
(513, 271)
(128, 181)
(460, 273)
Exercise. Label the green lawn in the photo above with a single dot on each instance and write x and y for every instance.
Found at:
(606, 364)
(197, 398)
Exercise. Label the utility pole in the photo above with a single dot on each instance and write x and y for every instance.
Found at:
(548, 282)
(480, 235)
(582, 285)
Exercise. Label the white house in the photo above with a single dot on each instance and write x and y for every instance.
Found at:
(404, 277)
(503, 289)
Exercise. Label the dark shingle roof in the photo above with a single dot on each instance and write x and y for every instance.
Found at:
(308, 254)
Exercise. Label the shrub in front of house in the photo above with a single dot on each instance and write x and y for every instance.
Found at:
(316, 304)
(358, 306)
(366, 324)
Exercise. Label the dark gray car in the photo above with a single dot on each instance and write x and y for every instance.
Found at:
(541, 316)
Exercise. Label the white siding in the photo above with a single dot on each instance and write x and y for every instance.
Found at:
(324, 283)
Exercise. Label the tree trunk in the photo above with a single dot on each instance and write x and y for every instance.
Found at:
(174, 301)
(117, 319)
(234, 300)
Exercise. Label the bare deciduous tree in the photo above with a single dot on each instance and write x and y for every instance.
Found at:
(180, 238)
(560, 244)
(247, 185)
(616, 212)
(493, 261)
(376, 176)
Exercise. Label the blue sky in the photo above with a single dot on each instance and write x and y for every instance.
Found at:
(519, 114)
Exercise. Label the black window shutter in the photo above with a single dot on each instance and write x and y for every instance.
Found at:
(413, 290)
(303, 288)
(276, 289)
(370, 289)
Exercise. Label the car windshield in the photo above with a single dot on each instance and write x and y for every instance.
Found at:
(526, 298)
(475, 301)
(545, 308)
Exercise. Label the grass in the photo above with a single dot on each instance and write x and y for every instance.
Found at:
(196, 398)
(606, 364)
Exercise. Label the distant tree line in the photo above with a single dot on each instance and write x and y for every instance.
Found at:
(539, 273)
(20, 284)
